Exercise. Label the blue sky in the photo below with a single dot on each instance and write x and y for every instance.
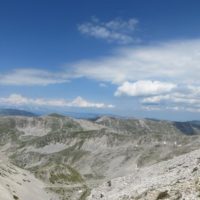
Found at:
(137, 58)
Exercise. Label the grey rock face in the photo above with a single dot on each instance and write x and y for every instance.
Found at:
(178, 178)
(73, 156)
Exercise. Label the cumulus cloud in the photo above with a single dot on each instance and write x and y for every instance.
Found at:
(175, 98)
(176, 61)
(144, 88)
(117, 30)
(32, 77)
(80, 102)
(187, 99)
(171, 108)
(19, 100)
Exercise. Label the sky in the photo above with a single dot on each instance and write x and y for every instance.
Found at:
(134, 58)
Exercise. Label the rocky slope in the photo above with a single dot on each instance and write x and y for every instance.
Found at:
(178, 178)
(19, 184)
(72, 156)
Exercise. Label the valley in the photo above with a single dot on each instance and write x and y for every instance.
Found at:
(74, 158)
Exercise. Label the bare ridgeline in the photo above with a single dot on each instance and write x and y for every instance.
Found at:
(55, 157)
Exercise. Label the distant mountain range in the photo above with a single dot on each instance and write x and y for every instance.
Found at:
(71, 157)
(25, 113)
(16, 112)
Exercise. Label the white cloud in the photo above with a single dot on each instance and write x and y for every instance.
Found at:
(116, 30)
(187, 100)
(18, 100)
(174, 98)
(32, 77)
(176, 61)
(172, 108)
(144, 88)
(80, 102)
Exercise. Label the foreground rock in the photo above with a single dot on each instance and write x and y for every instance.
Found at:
(19, 184)
(175, 179)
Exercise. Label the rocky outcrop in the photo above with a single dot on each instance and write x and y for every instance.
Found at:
(175, 179)
(19, 184)
(73, 156)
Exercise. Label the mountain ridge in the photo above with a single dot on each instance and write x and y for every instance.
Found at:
(82, 154)
(16, 112)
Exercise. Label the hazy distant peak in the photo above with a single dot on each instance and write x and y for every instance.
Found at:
(16, 112)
